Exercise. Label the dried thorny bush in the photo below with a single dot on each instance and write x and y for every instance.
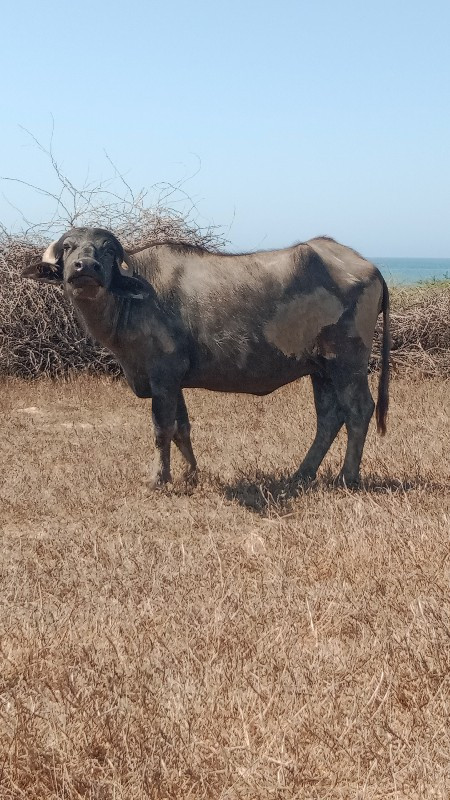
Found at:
(420, 329)
(39, 333)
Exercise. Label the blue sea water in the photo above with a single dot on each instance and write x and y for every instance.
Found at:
(407, 271)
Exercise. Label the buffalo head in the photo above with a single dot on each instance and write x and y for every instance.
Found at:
(89, 261)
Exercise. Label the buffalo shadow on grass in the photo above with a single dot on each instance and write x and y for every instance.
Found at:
(268, 492)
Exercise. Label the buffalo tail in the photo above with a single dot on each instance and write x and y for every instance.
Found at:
(383, 384)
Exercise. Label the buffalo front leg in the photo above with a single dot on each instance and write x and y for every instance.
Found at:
(330, 417)
(182, 439)
(164, 406)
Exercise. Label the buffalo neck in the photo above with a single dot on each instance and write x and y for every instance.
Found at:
(107, 317)
(132, 328)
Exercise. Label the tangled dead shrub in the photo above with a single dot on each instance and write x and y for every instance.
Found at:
(39, 333)
(420, 329)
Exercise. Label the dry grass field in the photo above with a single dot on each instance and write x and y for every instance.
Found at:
(235, 641)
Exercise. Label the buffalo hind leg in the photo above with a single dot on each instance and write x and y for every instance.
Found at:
(164, 406)
(330, 418)
(182, 439)
(357, 403)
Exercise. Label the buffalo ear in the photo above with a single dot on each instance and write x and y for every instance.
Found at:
(48, 269)
(43, 272)
(133, 288)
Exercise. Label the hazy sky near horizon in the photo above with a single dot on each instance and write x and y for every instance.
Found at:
(294, 119)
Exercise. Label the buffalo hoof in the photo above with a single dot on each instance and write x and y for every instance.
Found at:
(303, 477)
(159, 481)
(190, 477)
(349, 482)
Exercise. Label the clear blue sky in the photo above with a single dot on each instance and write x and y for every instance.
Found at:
(308, 117)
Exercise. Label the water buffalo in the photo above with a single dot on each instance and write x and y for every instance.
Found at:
(177, 316)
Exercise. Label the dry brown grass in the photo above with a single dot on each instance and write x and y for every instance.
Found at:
(230, 642)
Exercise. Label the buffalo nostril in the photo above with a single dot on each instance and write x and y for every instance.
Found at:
(86, 264)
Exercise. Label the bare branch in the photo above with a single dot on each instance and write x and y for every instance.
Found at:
(120, 175)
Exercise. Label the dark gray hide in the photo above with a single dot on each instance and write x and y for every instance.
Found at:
(178, 316)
